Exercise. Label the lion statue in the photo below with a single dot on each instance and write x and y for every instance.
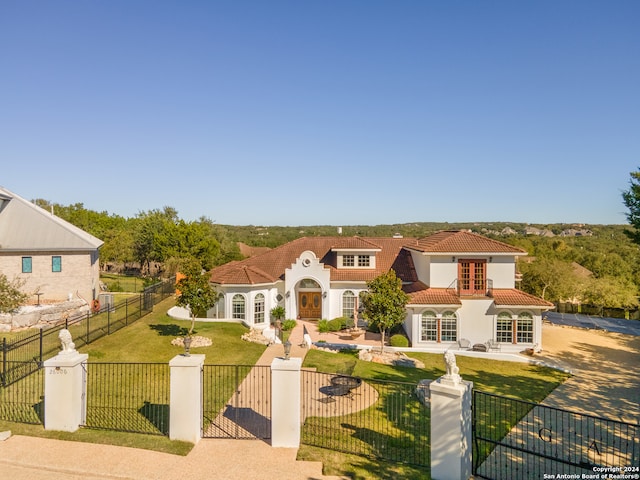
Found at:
(453, 372)
(67, 342)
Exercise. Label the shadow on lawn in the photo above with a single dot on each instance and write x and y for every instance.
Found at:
(171, 330)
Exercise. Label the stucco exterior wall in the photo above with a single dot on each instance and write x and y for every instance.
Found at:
(79, 275)
(502, 270)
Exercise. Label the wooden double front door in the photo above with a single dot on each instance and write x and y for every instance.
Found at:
(310, 304)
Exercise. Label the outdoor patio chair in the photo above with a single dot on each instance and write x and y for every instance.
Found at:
(464, 344)
(493, 345)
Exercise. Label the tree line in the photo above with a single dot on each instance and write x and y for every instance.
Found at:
(601, 269)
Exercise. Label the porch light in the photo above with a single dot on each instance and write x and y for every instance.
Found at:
(453, 259)
(287, 349)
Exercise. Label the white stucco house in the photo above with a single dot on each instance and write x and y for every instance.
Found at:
(55, 259)
(461, 286)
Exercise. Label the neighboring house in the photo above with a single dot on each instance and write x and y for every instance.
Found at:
(54, 258)
(461, 286)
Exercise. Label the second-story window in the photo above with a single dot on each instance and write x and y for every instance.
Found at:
(348, 261)
(364, 260)
(472, 278)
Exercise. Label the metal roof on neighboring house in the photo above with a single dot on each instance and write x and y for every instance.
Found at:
(25, 227)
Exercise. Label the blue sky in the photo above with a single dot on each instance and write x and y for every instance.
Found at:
(323, 112)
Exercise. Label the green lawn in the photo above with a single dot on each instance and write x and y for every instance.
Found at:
(122, 283)
(149, 340)
(146, 341)
(518, 380)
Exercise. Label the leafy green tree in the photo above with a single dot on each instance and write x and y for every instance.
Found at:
(550, 279)
(611, 292)
(11, 297)
(631, 199)
(384, 303)
(196, 293)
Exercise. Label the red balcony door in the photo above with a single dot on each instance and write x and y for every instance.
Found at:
(472, 277)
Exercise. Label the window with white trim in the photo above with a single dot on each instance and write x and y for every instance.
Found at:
(258, 309)
(348, 303)
(524, 328)
(504, 328)
(238, 307)
(449, 327)
(364, 261)
(439, 329)
(429, 327)
(348, 260)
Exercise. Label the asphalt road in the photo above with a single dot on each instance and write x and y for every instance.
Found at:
(618, 325)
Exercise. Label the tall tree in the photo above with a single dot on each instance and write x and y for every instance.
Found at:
(384, 303)
(631, 199)
(550, 279)
(196, 293)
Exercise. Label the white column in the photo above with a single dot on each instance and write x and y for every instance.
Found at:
(65, 388)
(185, 409)
(451, 444)
(285, 402)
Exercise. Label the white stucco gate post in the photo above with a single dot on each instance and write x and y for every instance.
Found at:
(185, 409)
(285, 402)
(65, 388)
(451, 418)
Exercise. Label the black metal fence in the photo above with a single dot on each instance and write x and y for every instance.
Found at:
(24, 354)
(514, 439)
(23, 400)
(236, 401)
(366, 417)
(128, 397)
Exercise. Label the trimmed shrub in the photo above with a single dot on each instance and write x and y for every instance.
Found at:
(335, 325)
(345, 322)
(399, 341)
(289, 324)
(323, 326)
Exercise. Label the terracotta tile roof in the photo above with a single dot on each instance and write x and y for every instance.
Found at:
(455, 242)
(270, 266)
(358, 243)
(510, 297)
(421, 294)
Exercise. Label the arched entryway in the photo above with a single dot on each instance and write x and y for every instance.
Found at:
(309, 299)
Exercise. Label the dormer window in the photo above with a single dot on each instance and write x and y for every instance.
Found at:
(357, 261)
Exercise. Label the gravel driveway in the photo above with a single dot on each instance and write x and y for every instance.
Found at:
(605, 379)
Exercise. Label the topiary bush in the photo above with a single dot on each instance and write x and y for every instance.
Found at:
(399, 341)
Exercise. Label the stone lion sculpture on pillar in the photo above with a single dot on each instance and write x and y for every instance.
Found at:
(452, 374)
(67, 342)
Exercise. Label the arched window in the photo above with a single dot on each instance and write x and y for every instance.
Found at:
(258, 309)
(449, 327)
(504, 328)
(348, 304)
(429, 327)
(524, 328)
(237, 307)
(439, 329)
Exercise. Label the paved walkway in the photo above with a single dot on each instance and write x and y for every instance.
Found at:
(31, 458)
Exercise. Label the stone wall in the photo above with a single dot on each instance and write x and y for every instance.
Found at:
(42, 316)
